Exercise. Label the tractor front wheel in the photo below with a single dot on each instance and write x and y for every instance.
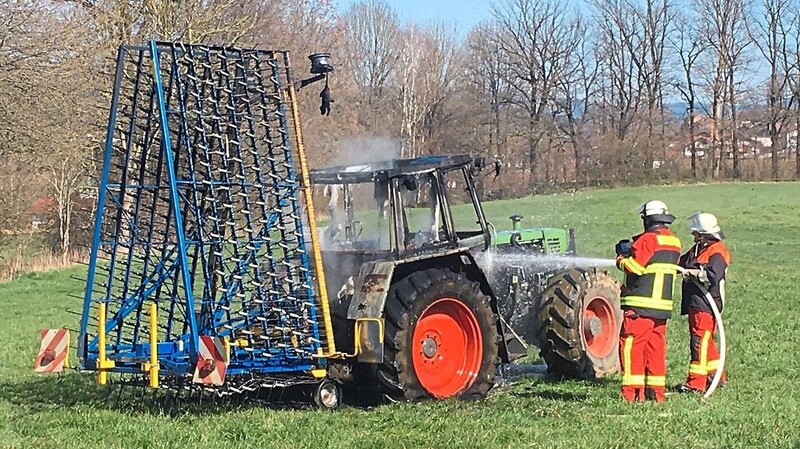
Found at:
(440, 338)
(579, 321)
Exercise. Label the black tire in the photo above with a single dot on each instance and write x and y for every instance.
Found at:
(408, 299)
(328, 395)
(563, 332)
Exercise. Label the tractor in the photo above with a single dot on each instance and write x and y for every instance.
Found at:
(430, 299)
(208, 275)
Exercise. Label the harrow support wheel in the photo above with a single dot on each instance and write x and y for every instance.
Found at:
(440, 340)
(328, 395)
(579, 325)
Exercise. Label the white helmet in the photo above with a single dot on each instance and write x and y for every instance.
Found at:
(653, 207)
(704, 223)
(656, 211)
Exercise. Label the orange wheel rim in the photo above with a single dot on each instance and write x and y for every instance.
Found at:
(599, 327)
(447, 348)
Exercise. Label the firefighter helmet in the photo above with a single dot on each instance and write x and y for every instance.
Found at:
(655, 212)
(704, 223)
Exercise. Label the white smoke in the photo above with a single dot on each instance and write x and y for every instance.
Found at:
(366, 149)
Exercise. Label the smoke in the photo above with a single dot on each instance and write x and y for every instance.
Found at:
(366, 149)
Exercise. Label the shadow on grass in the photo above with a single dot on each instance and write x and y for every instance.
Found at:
(552, 394)
(545, 385)
(71, 390)
(75, 389)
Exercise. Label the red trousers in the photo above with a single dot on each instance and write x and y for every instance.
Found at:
(642, 353)
(705, 357)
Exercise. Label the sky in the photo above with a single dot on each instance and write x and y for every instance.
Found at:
(462, 14)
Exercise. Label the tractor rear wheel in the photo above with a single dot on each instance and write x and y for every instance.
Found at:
(441, 338)
(579, 321)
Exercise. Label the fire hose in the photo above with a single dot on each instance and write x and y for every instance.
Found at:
(718, 318)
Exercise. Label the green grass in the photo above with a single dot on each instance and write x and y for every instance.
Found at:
(760, 407)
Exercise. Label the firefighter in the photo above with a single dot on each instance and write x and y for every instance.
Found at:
(705, 264)
(650, 265)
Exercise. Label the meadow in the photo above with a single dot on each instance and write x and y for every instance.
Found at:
(759, 408)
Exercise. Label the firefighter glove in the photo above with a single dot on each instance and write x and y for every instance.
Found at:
(623, 248)
(699, 274)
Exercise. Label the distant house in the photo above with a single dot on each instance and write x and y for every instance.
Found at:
(39, 210)
(753, 139)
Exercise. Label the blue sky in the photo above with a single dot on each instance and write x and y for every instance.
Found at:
(463, 14)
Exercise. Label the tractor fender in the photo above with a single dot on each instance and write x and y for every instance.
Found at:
(371, 288)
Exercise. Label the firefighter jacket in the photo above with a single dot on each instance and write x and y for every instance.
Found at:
(649, 273)
(712, 255)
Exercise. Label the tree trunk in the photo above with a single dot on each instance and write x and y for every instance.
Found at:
(775, 145)
(734, 126)
(692, 139)
(797, 145)
(532, 156)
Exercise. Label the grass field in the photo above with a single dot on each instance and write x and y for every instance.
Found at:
(759, 408)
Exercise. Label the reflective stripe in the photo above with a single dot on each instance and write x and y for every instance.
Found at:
(712, 365)
(696, 368)
(627, 377)
(665, 268)
(632, 265)
(626, 355)
(646, 302)
(704, 350)
(636, 381)
(658, 287)
(668, 240)
(656, 381)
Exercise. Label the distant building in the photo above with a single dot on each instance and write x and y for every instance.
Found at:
(754, 140)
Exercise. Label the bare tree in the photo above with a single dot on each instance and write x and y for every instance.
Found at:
(689, 46)
(488, 80)
(537, 38)
(575, 91)
(633, 39)
(116, 22)
(723, 23)
(770, 33)
(793, 70)
(375, 40)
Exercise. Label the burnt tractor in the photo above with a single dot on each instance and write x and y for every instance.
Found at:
(430, 300)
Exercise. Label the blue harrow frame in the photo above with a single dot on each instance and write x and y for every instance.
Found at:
(201, 212)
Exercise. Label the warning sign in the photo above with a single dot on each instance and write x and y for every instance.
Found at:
(211, 362)
(53, 349)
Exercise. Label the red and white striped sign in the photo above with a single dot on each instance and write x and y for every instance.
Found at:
(52, 353)
(211, 362)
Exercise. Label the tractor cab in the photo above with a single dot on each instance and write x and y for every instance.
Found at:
(400, 208)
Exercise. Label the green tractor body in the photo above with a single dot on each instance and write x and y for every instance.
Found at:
(540, 240)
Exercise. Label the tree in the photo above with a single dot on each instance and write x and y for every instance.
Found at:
(488, 81)
(574, 99)
(375, 44)
(537, 39)
(689, 46)
(633, 38)
(425, 82)
(770, 33)
(723, 25)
